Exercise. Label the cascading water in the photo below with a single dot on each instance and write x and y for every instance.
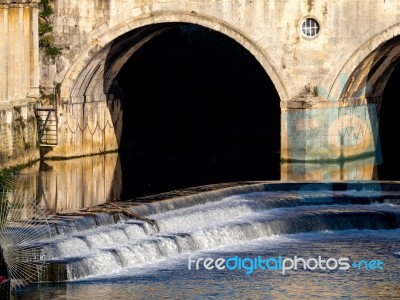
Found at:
(96, 248)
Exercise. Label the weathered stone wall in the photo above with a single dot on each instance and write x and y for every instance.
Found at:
(350, 37)
(18, 135)
(19, 81)
(88, 128)
(269, 29)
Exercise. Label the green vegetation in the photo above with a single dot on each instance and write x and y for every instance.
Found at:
(315, 91)
(27, 145)
(7, 178)
(58, 89)
(8, 175)
(17, 109)
(45, 29)
(19, 122)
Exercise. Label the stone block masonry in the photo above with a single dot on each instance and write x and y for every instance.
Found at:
(339, 65)
(19, 81)
(346, 66)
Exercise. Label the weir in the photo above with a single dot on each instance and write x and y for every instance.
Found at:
(92, 245)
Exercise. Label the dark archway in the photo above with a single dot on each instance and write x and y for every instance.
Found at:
(389, 166)
(375, 79)
(198, 109)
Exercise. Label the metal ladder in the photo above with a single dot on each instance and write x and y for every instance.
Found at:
(47, 122)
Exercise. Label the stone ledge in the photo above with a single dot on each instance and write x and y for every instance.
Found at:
(17, 103)
(307, 102)
(18, 1)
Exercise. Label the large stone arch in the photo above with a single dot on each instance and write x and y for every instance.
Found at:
(366, 72)
(90, 114)
(85, 76)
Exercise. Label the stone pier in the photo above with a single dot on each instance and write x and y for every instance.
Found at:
(19, 81)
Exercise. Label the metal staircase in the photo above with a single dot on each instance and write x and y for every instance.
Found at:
(47, 123)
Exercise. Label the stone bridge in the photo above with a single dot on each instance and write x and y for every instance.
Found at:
(329, 61)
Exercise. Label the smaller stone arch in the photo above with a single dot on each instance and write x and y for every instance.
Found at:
(367, 71)
(357, 94)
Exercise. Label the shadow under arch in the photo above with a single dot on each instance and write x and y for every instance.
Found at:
(357, 65)
(198, 109)
(371, 89)
(91, 79)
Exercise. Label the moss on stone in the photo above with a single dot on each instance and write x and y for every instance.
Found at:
(45, 29)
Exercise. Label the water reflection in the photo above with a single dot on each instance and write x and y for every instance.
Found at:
(81, 182)
(74, 183)
(360, 169)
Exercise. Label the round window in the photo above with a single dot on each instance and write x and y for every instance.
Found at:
(310, 27)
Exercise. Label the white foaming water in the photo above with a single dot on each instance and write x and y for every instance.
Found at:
(213, 237)
(140, 254)
(101, 238)
(137, 255)
(202, 218)
(135, 231)
(99, 264)
(71, 247)
(107, 239)
(151, 250)
(232, 221)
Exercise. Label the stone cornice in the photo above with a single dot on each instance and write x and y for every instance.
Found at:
(18, 1)
(7, 3)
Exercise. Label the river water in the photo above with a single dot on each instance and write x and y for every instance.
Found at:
(171, 279)
(356, 227)
(63, 185)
